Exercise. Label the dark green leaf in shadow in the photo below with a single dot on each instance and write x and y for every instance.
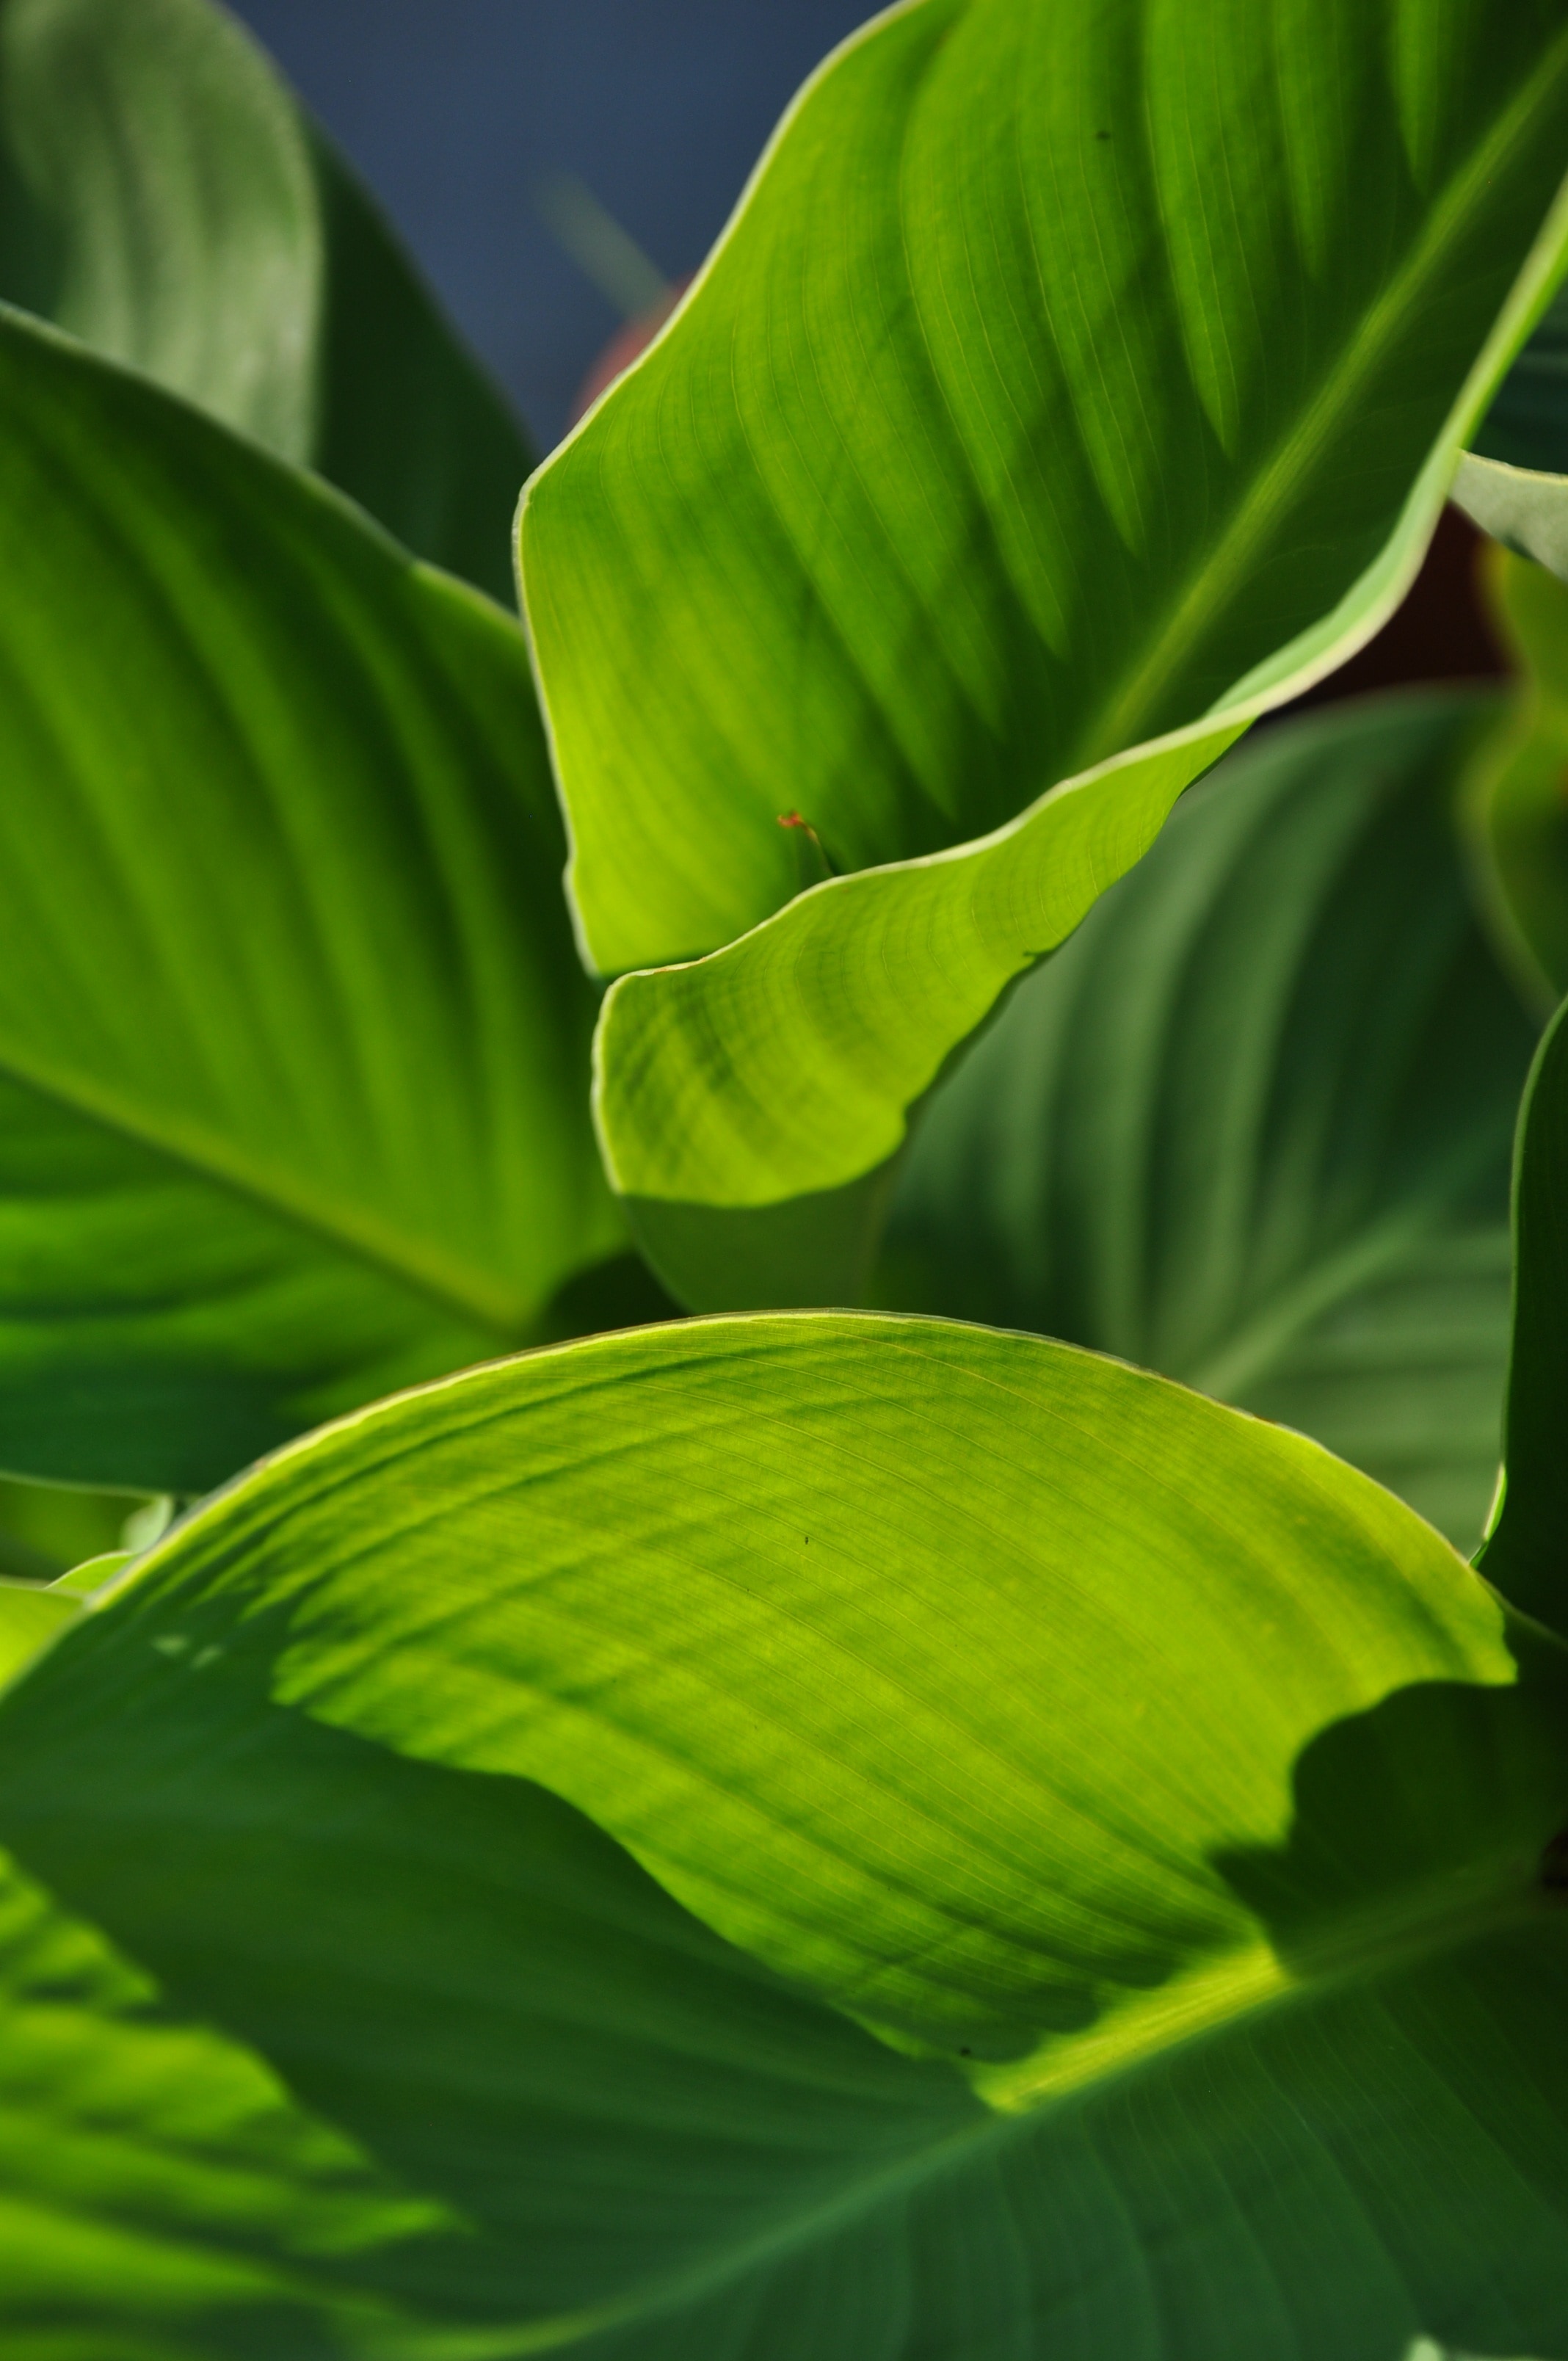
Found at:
(1526, 424)
(1253, 1125)
(1213, 1948)
(1071, 385)
(293, 1035)
(1516, 799)
(455, 1975)
(1527, 1553)
(164, 198)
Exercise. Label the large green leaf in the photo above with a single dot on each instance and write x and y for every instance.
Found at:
(1073, 384)
(163, 197)
(293, 1045)
(1253, 1125)
(1150, 1820)
(1527, 1553)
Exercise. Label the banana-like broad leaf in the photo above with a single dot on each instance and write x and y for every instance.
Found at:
(164, 198)
(1526, 1553)
(1516, 807)
(1072, 384)
(831, 1836)
(1253, 1125)
(293, 1045)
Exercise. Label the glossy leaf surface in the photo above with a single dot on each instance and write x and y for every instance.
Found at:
(1070, 384)
(292, 1041)
(1253, 1127)
(1192, 1991)
(164, 198)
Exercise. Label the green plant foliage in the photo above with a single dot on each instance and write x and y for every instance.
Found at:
(1514, 483)
(1516, 796)
(1525, 1555)
(47, 1528)
(1253, 1127)
(292, 1042)
(163, 197)
(1527, 425)
(590, 1788)
(1525, 510)
(1066, 390)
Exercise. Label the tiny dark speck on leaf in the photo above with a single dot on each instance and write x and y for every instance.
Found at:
(966, 2053)
(1102, 134)
(1554, 1866)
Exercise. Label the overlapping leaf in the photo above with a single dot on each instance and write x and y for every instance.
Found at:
(1070, 383)
(292, 1041)
(1514, 481)
(1525, 1553)
(164, 198)
(1145, 1813)
(1253, 1125)
(46, 1529)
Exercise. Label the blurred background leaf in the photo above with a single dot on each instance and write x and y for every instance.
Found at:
(1516, 798)
(163, 197)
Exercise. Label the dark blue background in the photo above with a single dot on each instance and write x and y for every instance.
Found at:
(456, 110)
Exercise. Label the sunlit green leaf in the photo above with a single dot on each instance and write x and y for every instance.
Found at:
(1073, 384)
(293, 1038)
(164, 198)
(31, 1618)
(1145, 1812)
(1253, 1125)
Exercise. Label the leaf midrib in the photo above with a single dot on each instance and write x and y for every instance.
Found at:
(420, 1268)
(1239, 1987)
(1122, 719)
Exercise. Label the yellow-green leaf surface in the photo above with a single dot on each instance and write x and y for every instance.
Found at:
(31, 1617)
(164, 198)
(47, 1528)
(293, 1047)
(836, 1836)
(1517, 794)
(1072, 384)
(1253, 1127)
(1526, 1553)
